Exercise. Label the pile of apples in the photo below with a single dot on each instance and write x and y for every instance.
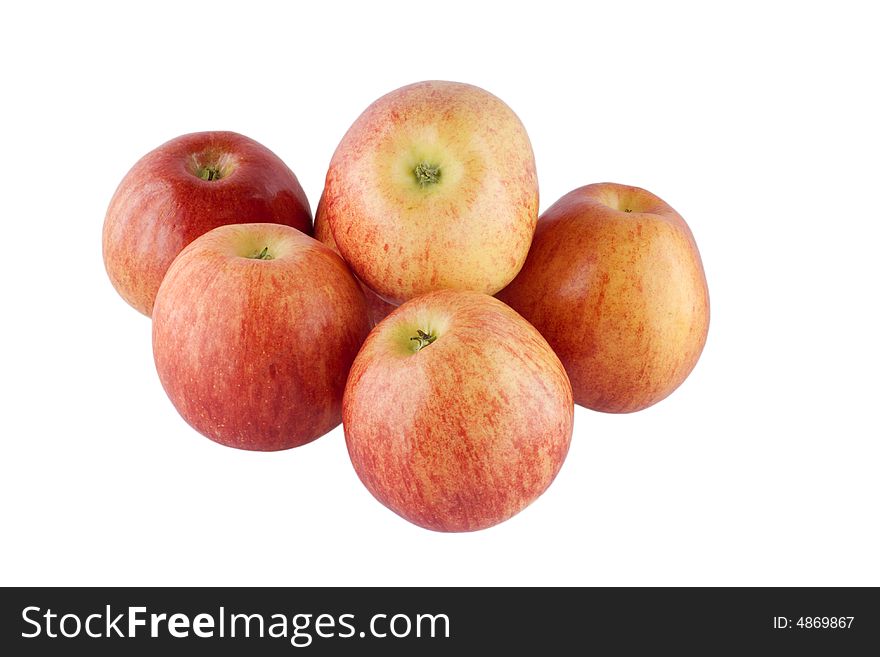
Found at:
(457, 406)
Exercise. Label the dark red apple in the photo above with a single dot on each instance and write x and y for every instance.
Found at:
(254, 330)
(182, 190)
(457, 413)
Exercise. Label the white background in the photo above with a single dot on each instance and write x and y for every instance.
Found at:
(759, 124)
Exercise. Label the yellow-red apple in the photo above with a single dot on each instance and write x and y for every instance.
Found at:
(457, 414)
(433, 187)
(255, 327)
(183, 189)
(615, 283)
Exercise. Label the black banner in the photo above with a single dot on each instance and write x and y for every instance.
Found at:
(421, 621)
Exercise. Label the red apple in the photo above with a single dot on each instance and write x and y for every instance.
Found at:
(377, 307)
(182, 190)
(457, 414)
(254, 330)
(433, 187)
(615, 283)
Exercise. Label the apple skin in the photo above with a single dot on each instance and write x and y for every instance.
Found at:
(377, 308)
(470, 429)
(162, 205)
(470, 228)
(615, 283)
(255, 353)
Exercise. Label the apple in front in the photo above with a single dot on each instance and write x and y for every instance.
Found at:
(182, 190)
(457, 414)
(615, 283)
(254, 330)
(433, 187)
(377, 307)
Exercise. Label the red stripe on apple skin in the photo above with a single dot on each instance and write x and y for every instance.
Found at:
(255, 354)
(466, 432)
(615, 282)
(377, 308)
(161, 206)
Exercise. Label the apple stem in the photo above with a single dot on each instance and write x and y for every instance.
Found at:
(263, 255)
(423, 339)
(426, 174)
(209, 173)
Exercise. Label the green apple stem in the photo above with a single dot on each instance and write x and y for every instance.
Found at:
(209, 173)
(263, 255)
(426, 174)
(423, 339)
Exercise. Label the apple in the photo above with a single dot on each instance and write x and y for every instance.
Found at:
(433, 187)
(183, 189)
(457, 414)
(255, 327)
(377, 307)
(615, 283)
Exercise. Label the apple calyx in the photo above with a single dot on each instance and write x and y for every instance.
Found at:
(211, 165)
(262, 255)
(423, 339)
(426, 174)
(209, 173)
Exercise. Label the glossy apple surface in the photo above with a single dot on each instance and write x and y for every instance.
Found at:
(615, 283)
(183, 189)
(457, 414)
(377, 307)
(254, 330)
(433, 187)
